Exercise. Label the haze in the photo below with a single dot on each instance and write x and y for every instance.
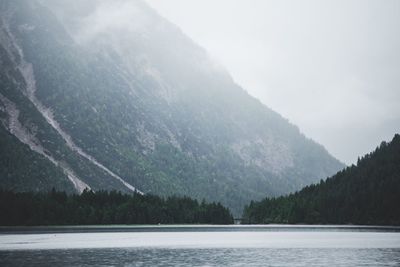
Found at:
(330, 67)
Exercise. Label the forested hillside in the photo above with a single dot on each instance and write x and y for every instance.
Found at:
(59, 208)
(134, 107)
(368, 193)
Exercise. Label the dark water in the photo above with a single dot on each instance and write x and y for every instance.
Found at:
(203, 257)
(201, 246)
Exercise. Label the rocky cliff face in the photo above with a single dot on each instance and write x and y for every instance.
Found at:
(112, 96)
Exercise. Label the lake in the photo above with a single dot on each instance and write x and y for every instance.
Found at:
(267, 245)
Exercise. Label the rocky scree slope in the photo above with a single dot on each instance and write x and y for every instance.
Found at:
(109, 95)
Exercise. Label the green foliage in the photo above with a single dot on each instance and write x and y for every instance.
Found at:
(22, 170)
(154, 110)
(368, 193)
(103, 207)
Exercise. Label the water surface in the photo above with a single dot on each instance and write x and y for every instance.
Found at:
(200, 246)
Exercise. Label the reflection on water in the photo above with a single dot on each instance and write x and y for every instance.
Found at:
(200, 246)
(202, 257)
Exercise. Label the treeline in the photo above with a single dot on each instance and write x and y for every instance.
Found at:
(102, 207)
(368, 193)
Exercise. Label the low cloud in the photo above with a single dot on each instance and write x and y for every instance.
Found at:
(331, 67)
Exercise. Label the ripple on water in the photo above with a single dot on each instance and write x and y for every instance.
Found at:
(203, 257)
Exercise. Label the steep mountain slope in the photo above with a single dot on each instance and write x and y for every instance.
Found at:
(114, 96)
(368, 193)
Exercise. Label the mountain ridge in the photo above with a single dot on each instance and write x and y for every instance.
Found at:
(159, 117)
(366, 193)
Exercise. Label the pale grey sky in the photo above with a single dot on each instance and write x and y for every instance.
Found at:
(330, 67)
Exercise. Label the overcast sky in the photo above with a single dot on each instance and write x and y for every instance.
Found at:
(330, 67)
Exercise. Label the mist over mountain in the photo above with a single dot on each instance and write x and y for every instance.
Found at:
(109, 95)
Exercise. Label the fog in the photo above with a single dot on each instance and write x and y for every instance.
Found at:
(330, 67)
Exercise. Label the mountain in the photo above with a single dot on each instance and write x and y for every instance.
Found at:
(109, 95)
(368, 193)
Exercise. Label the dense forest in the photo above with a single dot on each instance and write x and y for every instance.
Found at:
(368, 193)
(60, 208)
(152, 108)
